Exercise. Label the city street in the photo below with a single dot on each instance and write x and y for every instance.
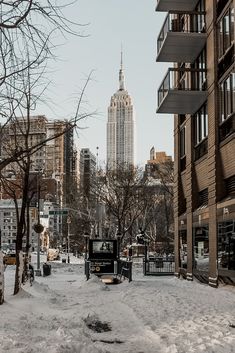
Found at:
(64, 313)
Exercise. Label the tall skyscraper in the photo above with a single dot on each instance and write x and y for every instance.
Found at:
(120, 127)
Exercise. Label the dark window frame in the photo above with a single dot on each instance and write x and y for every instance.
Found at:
(200, 125)
(225, 39)
(227, 97)
(182, 147)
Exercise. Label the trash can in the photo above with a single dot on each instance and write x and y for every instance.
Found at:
(64, 260)
(46, 269)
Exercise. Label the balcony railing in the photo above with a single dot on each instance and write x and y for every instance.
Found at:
(176, 5)
(181, 38)
(182, 91)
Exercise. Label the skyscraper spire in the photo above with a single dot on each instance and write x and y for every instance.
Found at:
(120, 127)
(121, 74)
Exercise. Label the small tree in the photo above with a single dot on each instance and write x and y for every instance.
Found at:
(160, 218)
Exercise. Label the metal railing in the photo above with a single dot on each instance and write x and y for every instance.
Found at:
(159, 266)
(186, 79)
(186, 23)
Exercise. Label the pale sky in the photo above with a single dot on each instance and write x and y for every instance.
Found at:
(110, 23)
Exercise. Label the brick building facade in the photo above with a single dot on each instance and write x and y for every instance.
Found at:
(198, 36)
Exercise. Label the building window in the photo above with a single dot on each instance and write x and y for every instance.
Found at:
(182, 148)
(230, 185)
(200, 133)
(226, 245)
(226, 31)
(203, 198)
(227, 97)
(221, 4)
(200, 17)
(182, 141)
(201, 125)
(183, 248)
(201, 248)
(199, 76)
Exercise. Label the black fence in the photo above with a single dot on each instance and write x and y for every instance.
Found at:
(125, 269)
(159, 266)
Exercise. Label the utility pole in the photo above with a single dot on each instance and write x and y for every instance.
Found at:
(68, 241)
(39, 243)
(38, 228)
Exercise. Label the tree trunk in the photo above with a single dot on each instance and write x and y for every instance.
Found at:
(19, 271)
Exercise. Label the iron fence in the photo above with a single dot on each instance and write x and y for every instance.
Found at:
(159, 266)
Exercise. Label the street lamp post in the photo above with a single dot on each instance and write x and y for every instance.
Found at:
(86, 236)
(38, 228)
(68, 245)
(119, 235)
(39, 242)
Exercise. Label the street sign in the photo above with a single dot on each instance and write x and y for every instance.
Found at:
(58, 212)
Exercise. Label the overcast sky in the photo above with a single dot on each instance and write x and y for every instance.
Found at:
(110, 23)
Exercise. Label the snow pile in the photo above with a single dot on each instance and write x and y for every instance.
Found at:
(64, 313)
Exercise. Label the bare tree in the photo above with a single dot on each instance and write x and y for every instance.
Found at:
(159, 220)
(121, 191)
(19, 150)
(27, 29)
(165, 173)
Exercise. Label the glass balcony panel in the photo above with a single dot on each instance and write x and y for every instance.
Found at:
(183, 91)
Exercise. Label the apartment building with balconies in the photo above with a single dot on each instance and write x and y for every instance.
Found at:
(198, 38)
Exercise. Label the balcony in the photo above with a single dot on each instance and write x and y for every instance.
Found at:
(181, 38)
(176, 5)
(182, 91)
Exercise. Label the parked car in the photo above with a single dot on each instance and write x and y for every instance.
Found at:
(9, 259)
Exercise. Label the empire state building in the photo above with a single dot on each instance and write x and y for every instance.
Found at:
(120, 127)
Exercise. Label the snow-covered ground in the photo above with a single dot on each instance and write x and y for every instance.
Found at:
(64, 313)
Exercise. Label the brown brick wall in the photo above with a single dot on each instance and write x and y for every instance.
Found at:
(210, 171)
(201, 174)
(227, 152)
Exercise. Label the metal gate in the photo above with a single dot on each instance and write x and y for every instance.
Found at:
(159, 266)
